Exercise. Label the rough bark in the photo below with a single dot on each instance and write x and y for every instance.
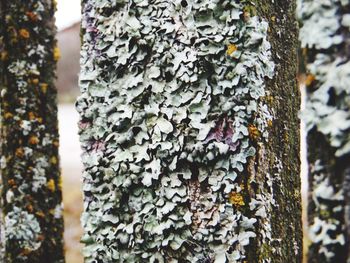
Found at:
(190, 131)
(325, 38)
(29, 169)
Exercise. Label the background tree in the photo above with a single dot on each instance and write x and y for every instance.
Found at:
(31, 194)
(325, 36)
(190, 131)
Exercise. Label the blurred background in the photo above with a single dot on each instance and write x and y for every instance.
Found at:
(68, 23)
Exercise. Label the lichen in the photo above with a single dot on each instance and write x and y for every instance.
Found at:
(23, 228)
(324, 36)
(29, 134)
(169, 89)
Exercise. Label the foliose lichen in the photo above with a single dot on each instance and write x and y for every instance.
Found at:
(169, 89)
(324, 36)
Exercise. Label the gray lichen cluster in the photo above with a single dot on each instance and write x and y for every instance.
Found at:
(170, 109)
(325, 35)
(325, 31)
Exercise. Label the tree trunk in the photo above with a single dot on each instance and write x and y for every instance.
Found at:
(31, 186)
(190, 131)
(325, 38)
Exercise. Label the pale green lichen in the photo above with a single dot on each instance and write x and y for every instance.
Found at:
(164, 127)
(23, 228)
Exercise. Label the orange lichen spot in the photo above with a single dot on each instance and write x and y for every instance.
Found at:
(8, 115)
(53, 160)
(309, 79)
(19, 152)
(11, 182)
(236, 199)
(51, 185)
(41, 237)
(32, 16)
(24, 33)
(30, 208)
(246, 15)
(31, 116)
(40, 214)
(56, 53)
(26, 252)
(3, 55)
(35, 81)
(43, 87)
(254, 133)
(56, 144)
(230, 49)
(33, 140)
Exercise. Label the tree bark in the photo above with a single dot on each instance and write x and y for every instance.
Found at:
(190, 131)
(327, 118)
(32, 220)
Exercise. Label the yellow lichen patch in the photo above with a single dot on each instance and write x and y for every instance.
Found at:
(39, 119)
(43, 87)
(40, 214)
(51, 185)
(230, 49)
(60, 183)
(273, 18)
(309, 79)
(19, 152)
(24, 33)
(3, 55)
(8, 115)
(236, 199)
(53, 160)
(33, 140)
(269, 123)
(254, 133)
(56, 53)
(52, 211)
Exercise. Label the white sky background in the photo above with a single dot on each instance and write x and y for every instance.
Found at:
(68, 12)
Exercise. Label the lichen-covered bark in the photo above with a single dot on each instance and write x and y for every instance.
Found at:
(31, 194)
(190, 131)
(325, 37)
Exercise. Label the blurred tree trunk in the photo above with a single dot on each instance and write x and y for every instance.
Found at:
(325, 38)
(190, 131)
(32, 222)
